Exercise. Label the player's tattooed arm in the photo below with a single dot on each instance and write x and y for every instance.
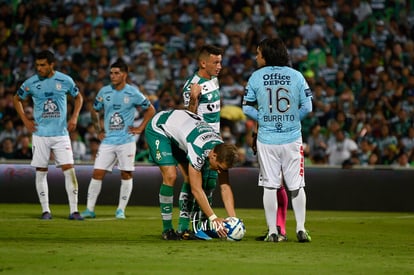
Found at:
(194, 97)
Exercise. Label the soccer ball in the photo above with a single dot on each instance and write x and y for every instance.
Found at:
(235, 229)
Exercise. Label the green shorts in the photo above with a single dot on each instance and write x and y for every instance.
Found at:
(162, 151)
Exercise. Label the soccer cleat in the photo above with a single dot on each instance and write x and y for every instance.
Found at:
(187, 235)
(88, 214)
(170, 235)
(46, 216)
(201, 235)
(271, 238)
(75, 216)
(303, 236)
(119, 214)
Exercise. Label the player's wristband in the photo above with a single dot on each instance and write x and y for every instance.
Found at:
(212, 217)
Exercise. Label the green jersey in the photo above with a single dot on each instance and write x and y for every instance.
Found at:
(187, 131)
(209, 102)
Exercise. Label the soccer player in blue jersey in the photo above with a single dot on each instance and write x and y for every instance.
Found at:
(118, 103)
(182, 138)
(50, 129)
(201, 93)
(278, 98)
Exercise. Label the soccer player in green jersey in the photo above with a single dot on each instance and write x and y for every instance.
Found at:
(201, 96)
(182, 138)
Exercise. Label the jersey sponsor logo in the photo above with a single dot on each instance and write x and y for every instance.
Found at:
(209, 136)
(199, 164)
(116, 122)
(50, 109)
(308, 92)
(276, 79)
(212, 107)
(203, 127)
(279, 126)
(117, 106)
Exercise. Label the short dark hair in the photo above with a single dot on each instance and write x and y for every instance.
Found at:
(209, 49)
(46, 54)
(274, 52)
(119, 63)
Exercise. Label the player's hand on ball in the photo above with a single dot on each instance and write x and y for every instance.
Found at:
(218, 226)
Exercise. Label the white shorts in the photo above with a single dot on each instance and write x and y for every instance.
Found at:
(109, 155)
(43, 147)
(277, 159)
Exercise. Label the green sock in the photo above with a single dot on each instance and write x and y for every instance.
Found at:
(186, 204)
(166, 205)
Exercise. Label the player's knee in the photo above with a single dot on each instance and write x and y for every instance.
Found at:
(295, 193)
(126, 175)
(98, 174)
(65, 167)
(170, 179)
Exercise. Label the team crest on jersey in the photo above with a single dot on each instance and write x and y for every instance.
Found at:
(158, 155)
(50, 109)
(58, 86)
(116, 122)
(126, 99)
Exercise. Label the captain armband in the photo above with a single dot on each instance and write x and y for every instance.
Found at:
(249, 103)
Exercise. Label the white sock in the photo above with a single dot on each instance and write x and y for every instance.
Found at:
(299, 208)
(270, 207)
(71, 184)
(42, 190)
(124, 193)
(93, 192)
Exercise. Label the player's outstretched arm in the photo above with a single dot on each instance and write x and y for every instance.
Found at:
(201, 198)
(227, 193)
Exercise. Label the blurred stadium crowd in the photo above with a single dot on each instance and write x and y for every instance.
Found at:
(356, 55)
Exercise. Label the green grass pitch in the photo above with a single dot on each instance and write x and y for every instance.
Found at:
(342, 243)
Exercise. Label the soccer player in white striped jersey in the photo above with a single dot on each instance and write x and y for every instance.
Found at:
(118, 101)
(201, 94)
(50, 129)
(278, 98)
(182, 138)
